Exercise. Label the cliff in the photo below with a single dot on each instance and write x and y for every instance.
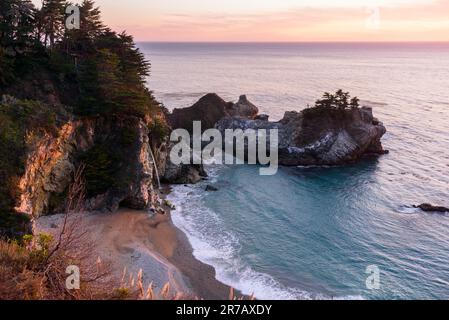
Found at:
(119, 168)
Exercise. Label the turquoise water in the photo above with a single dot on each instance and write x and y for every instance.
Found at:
(312, 232)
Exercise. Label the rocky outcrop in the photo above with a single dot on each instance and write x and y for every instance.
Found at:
(209, 110)
(243, 109)
(320, 137)
(263, 117)
(176, 174)
(426, 207)
(51, 163)
(315, 136)
(183, 174)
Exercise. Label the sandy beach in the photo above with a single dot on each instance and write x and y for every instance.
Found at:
(133, 240)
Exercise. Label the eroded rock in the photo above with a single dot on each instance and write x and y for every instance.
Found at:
(52, 161)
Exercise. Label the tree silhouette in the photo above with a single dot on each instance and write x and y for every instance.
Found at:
(52, 17)
(106, 69)
(340, 100)
(354, 103)
(16, 25)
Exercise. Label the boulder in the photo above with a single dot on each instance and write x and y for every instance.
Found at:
(183, 173)
(174, 173)
(262, 117)
(210, 188)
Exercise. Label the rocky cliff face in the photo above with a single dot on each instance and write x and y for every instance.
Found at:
(320, 137)
(52, 161)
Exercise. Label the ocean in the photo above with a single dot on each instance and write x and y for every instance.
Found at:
(311, 233)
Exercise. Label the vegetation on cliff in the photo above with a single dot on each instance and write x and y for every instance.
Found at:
(50, 74)
(340, 100)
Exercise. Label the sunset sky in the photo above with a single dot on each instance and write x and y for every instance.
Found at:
(279, 20)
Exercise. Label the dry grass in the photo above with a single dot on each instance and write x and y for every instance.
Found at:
(133, 288)
(27, 272)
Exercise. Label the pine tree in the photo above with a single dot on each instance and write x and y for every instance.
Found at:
(355, 103)
(326, 102)
(81, 42)
(16, 25)
(6, 68)
(342, 99)
(100, 84)
(52, 21)
(91, 25)
(108, 84)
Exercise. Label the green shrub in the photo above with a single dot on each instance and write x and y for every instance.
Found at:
(6, 68)
(340, 100)
(159, 129)
(128, 136)
(101, 167)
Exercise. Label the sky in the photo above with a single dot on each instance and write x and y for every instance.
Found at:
(279, 20)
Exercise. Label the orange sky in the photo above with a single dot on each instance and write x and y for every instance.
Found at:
(279, 20)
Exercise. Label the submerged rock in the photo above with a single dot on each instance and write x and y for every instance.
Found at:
(210, 188)
(426, 207)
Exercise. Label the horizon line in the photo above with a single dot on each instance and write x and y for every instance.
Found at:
(298, 42)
